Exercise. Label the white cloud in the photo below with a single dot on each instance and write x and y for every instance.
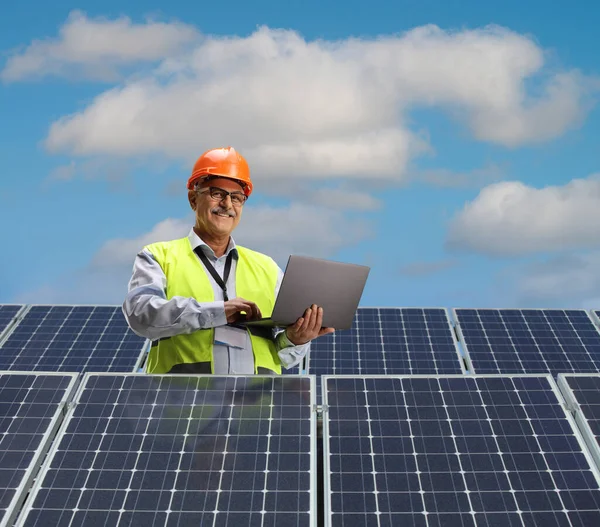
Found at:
(278, 232)
(315, 109)
(569, 280)
(122, 251)
(97, 48)
(511, 218)
(300, 229)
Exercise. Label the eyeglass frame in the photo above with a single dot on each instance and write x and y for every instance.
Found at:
(235, 193)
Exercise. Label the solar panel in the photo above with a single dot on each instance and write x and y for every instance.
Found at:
(582, 393)
(7, 314)
(72, 338)
(30, 411)
(388, 341)
(454, 451)
(176, 450)
(529, 340)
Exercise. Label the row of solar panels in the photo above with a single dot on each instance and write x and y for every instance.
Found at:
(381, 341)
(431, 451)
(385, 341)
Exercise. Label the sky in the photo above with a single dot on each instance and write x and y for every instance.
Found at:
(451, 146)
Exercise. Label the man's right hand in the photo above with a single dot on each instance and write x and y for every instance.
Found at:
(234, 308)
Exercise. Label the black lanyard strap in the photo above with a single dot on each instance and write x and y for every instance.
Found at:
(221, 282)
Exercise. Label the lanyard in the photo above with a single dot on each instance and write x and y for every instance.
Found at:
(221, 282)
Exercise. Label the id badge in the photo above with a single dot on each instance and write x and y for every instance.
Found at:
(230, 336)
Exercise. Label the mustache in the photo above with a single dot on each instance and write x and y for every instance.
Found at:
(221, 210)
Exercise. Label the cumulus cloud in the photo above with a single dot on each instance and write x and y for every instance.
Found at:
(96, 48)
(567, 280)
(122, 251)
(511, 218)
(328, 108)
(276, 231)
(300, 229)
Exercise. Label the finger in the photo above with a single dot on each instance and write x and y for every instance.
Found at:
(307, 319)
(319, 321)
(251, 309)
(313, 328)
(326, 331)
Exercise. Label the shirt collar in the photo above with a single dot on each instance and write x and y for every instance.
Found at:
(196, 241)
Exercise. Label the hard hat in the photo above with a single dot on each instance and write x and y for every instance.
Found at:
(222, 162)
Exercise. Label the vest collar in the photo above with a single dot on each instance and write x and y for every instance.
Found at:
(196, 241)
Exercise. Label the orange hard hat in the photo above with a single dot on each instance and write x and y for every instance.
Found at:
(222, 162)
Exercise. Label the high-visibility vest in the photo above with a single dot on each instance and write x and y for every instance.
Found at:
(255, 280)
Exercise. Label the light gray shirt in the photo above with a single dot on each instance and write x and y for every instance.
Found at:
(151, 315)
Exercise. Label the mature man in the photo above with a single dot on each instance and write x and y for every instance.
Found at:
(187, 295)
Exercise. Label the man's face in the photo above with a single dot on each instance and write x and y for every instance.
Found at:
(214, 216)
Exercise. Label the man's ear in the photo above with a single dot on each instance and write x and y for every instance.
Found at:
(192, 197)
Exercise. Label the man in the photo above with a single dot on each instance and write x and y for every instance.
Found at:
(186, 295)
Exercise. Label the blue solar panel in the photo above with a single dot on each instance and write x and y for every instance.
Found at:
(454, 451)
(7, 313)
(72, 338)
(30, 408)
(177, 450)
(583, 392)
(530, 340)
(388, 341)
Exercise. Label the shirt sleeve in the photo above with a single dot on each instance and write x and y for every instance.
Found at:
(149, 313)
(289, 354)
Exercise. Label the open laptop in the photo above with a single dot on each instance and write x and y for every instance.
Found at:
(336, 287)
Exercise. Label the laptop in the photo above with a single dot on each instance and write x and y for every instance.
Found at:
(336, 287)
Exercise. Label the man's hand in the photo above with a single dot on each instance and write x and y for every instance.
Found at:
(308, 327)
(234, 308)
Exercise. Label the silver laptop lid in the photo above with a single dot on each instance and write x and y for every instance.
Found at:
(336, 287)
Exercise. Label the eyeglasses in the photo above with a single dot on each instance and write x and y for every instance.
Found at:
(218, 194)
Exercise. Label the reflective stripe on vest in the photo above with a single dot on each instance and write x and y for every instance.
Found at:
(255, 279)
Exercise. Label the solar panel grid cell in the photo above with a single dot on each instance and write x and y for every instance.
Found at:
(176, 450)
(30, 406)
(388, 341)
(7, 313)
(454, 451)
(529, 341)
(72, 338)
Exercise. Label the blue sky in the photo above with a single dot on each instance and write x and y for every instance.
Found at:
(451, 146)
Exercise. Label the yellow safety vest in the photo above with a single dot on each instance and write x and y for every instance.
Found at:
(255, 280)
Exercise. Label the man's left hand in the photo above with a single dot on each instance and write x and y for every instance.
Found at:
(308, 327)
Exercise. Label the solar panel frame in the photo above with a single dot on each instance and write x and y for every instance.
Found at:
(5, 329)
(592, 441)
(139, 362)
(594, 468)
(461, 336)
(23, 489)
(595, 316)
(459, 356)
(85, 377)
